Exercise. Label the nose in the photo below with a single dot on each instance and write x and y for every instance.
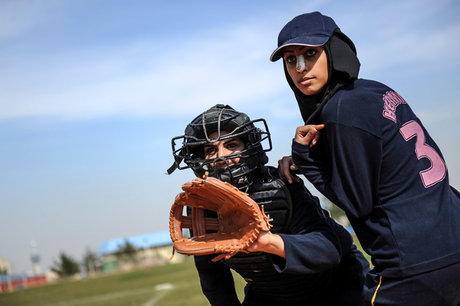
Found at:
(220, 152)
(300, 66)
(220, 164)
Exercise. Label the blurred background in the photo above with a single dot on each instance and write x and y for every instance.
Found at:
(91, 93)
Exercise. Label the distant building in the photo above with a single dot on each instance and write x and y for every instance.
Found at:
(5, 267)
(12, 282)
(151, 249)
(20, 282)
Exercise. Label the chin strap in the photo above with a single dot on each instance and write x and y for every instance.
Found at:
(175, 165)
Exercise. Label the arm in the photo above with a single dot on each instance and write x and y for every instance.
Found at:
(312, 245)
(307, 135)
(349, 176)
(216, 281)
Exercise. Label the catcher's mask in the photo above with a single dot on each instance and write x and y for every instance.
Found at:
(253, 133)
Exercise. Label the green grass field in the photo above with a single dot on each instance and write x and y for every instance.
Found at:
(169, 285)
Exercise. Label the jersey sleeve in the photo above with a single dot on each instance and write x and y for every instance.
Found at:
(350, 177)
(312, 246)
(216, 281)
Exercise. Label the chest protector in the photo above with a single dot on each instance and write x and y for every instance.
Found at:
(257, 268)
(271, 192)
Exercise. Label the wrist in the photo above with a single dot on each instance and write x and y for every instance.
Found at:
(275, 245)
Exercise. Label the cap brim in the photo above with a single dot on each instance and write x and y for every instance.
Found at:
(278, 53)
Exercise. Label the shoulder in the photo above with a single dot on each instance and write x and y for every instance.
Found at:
(358, 104)
(268, 175)
(364, 87)
(360, 93)
(272, 171)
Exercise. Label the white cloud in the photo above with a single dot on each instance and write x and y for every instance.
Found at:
(227, 64)
(144, 78)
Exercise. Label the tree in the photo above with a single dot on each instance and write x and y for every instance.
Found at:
(91, 261)
(66, 266)
(126, 252)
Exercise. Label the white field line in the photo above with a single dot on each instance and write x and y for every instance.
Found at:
(153, 301)
(164, 289)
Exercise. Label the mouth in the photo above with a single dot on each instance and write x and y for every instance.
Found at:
(306, 81)
(219, 165)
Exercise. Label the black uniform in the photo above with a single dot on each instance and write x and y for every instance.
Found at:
(396, 193)
(376, 161)
(322, 265)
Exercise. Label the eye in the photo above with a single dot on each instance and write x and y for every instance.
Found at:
(233, 145)
(310, 52)
(209, 151)
(290, 59)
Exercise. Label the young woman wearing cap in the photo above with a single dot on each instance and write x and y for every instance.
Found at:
(375, 160)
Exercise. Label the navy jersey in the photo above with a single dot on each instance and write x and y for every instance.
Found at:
(376, 161)
(322, 265)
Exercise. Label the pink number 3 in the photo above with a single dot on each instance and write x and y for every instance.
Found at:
(437, 171)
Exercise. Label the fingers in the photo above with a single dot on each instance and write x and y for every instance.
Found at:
(316, 137)
(308, 134)
(285, 166)
(314, 140)
(319, 126)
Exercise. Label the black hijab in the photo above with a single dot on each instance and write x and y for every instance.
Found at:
(343, 66)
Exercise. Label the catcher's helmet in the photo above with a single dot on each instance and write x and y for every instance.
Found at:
(237, 125)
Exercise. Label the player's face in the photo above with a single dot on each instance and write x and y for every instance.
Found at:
(307, 67)
(223, 148)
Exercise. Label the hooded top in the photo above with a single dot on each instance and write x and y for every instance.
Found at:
(315, 29)
(377, 162)
(343, 66)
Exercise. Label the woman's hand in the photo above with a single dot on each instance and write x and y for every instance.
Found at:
(286, 169)
(269, 243)
(308, 134)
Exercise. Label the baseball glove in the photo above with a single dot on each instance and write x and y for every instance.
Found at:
(238, 224)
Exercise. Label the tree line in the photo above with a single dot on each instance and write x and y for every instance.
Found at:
(66, 265)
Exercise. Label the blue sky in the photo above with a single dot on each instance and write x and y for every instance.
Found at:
(91, 93)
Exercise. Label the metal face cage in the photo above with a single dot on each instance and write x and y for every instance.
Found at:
(188, 149)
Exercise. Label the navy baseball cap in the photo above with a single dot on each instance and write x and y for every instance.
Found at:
(311, 29)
